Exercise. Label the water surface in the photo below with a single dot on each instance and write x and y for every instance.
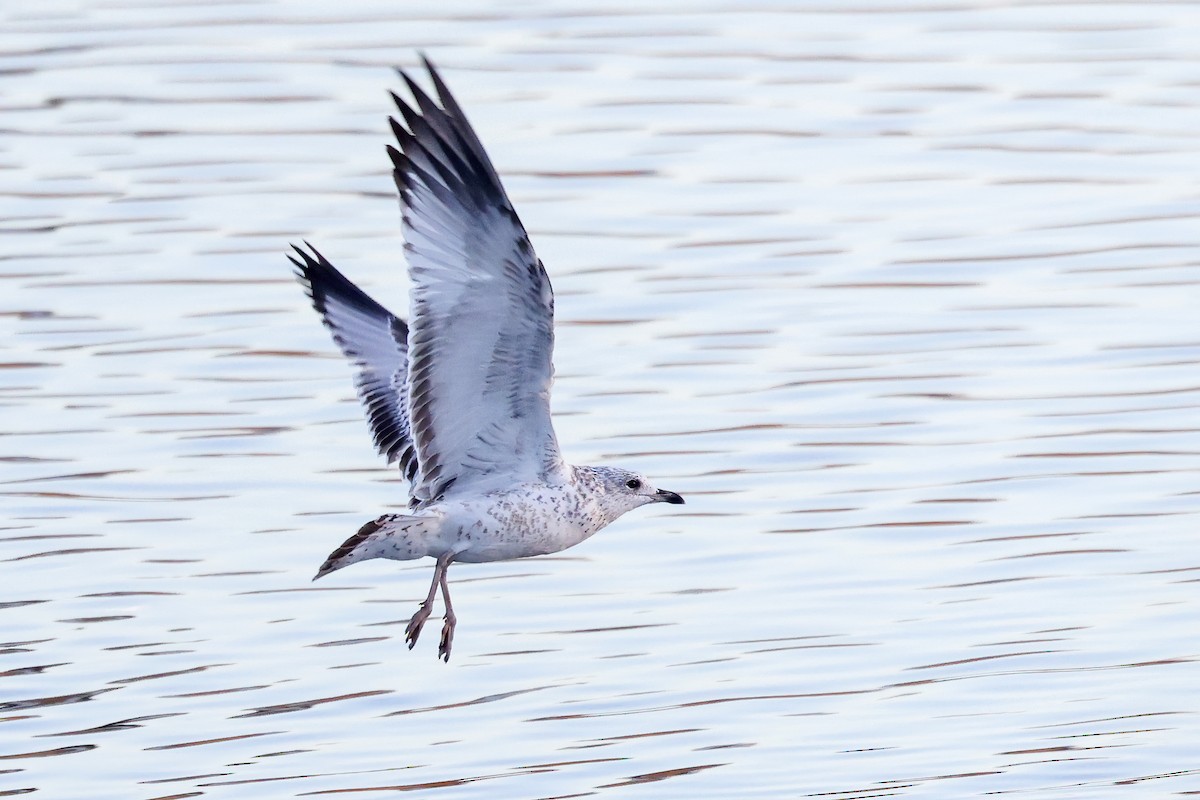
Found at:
(901, 297)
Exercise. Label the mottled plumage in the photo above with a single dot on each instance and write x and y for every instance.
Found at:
(460, 396)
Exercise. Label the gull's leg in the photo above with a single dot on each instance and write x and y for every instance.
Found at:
(448, 628)
(418, 619)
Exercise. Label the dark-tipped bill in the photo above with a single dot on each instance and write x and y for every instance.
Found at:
(664, 496)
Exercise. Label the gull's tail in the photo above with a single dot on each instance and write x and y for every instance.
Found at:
(394, 536)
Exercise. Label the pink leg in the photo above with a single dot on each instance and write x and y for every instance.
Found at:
(418, 619)
(448, 628)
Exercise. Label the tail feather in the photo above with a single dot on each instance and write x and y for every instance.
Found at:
(394, 536)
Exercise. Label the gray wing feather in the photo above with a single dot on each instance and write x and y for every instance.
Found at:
(377, 342)
(482, 321)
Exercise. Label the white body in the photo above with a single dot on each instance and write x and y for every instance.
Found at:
(530, 519)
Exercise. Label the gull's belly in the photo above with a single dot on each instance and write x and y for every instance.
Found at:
(518, 524)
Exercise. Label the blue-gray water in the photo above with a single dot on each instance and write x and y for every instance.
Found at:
(902, 297)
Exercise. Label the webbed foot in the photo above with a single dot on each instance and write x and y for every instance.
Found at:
(447, 638)
(415, 624)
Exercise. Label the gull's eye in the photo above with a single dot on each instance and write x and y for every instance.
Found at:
(633, 483)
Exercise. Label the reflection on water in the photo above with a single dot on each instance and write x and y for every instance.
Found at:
(901, 298)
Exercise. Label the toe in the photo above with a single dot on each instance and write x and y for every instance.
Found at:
(413, 631)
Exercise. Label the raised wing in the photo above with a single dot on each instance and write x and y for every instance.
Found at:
(482, 322)
(377, 342)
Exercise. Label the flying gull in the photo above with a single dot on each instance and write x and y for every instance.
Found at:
(459, 396)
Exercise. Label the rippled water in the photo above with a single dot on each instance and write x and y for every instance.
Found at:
(902, 297)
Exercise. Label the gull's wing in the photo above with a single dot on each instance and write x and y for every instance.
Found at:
(377, 342)
(482, 322)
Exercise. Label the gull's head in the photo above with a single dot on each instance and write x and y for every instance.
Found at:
(620, 490)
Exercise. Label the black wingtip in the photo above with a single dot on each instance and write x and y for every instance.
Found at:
(412, 85)
(415, 89)
(306, 267)
(396, 156)
(300, 271)
(311, 259)
(306, 261)
(398, 131)
(399, 102)
(442, 90)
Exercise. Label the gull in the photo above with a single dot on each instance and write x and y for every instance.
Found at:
(459, 396)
